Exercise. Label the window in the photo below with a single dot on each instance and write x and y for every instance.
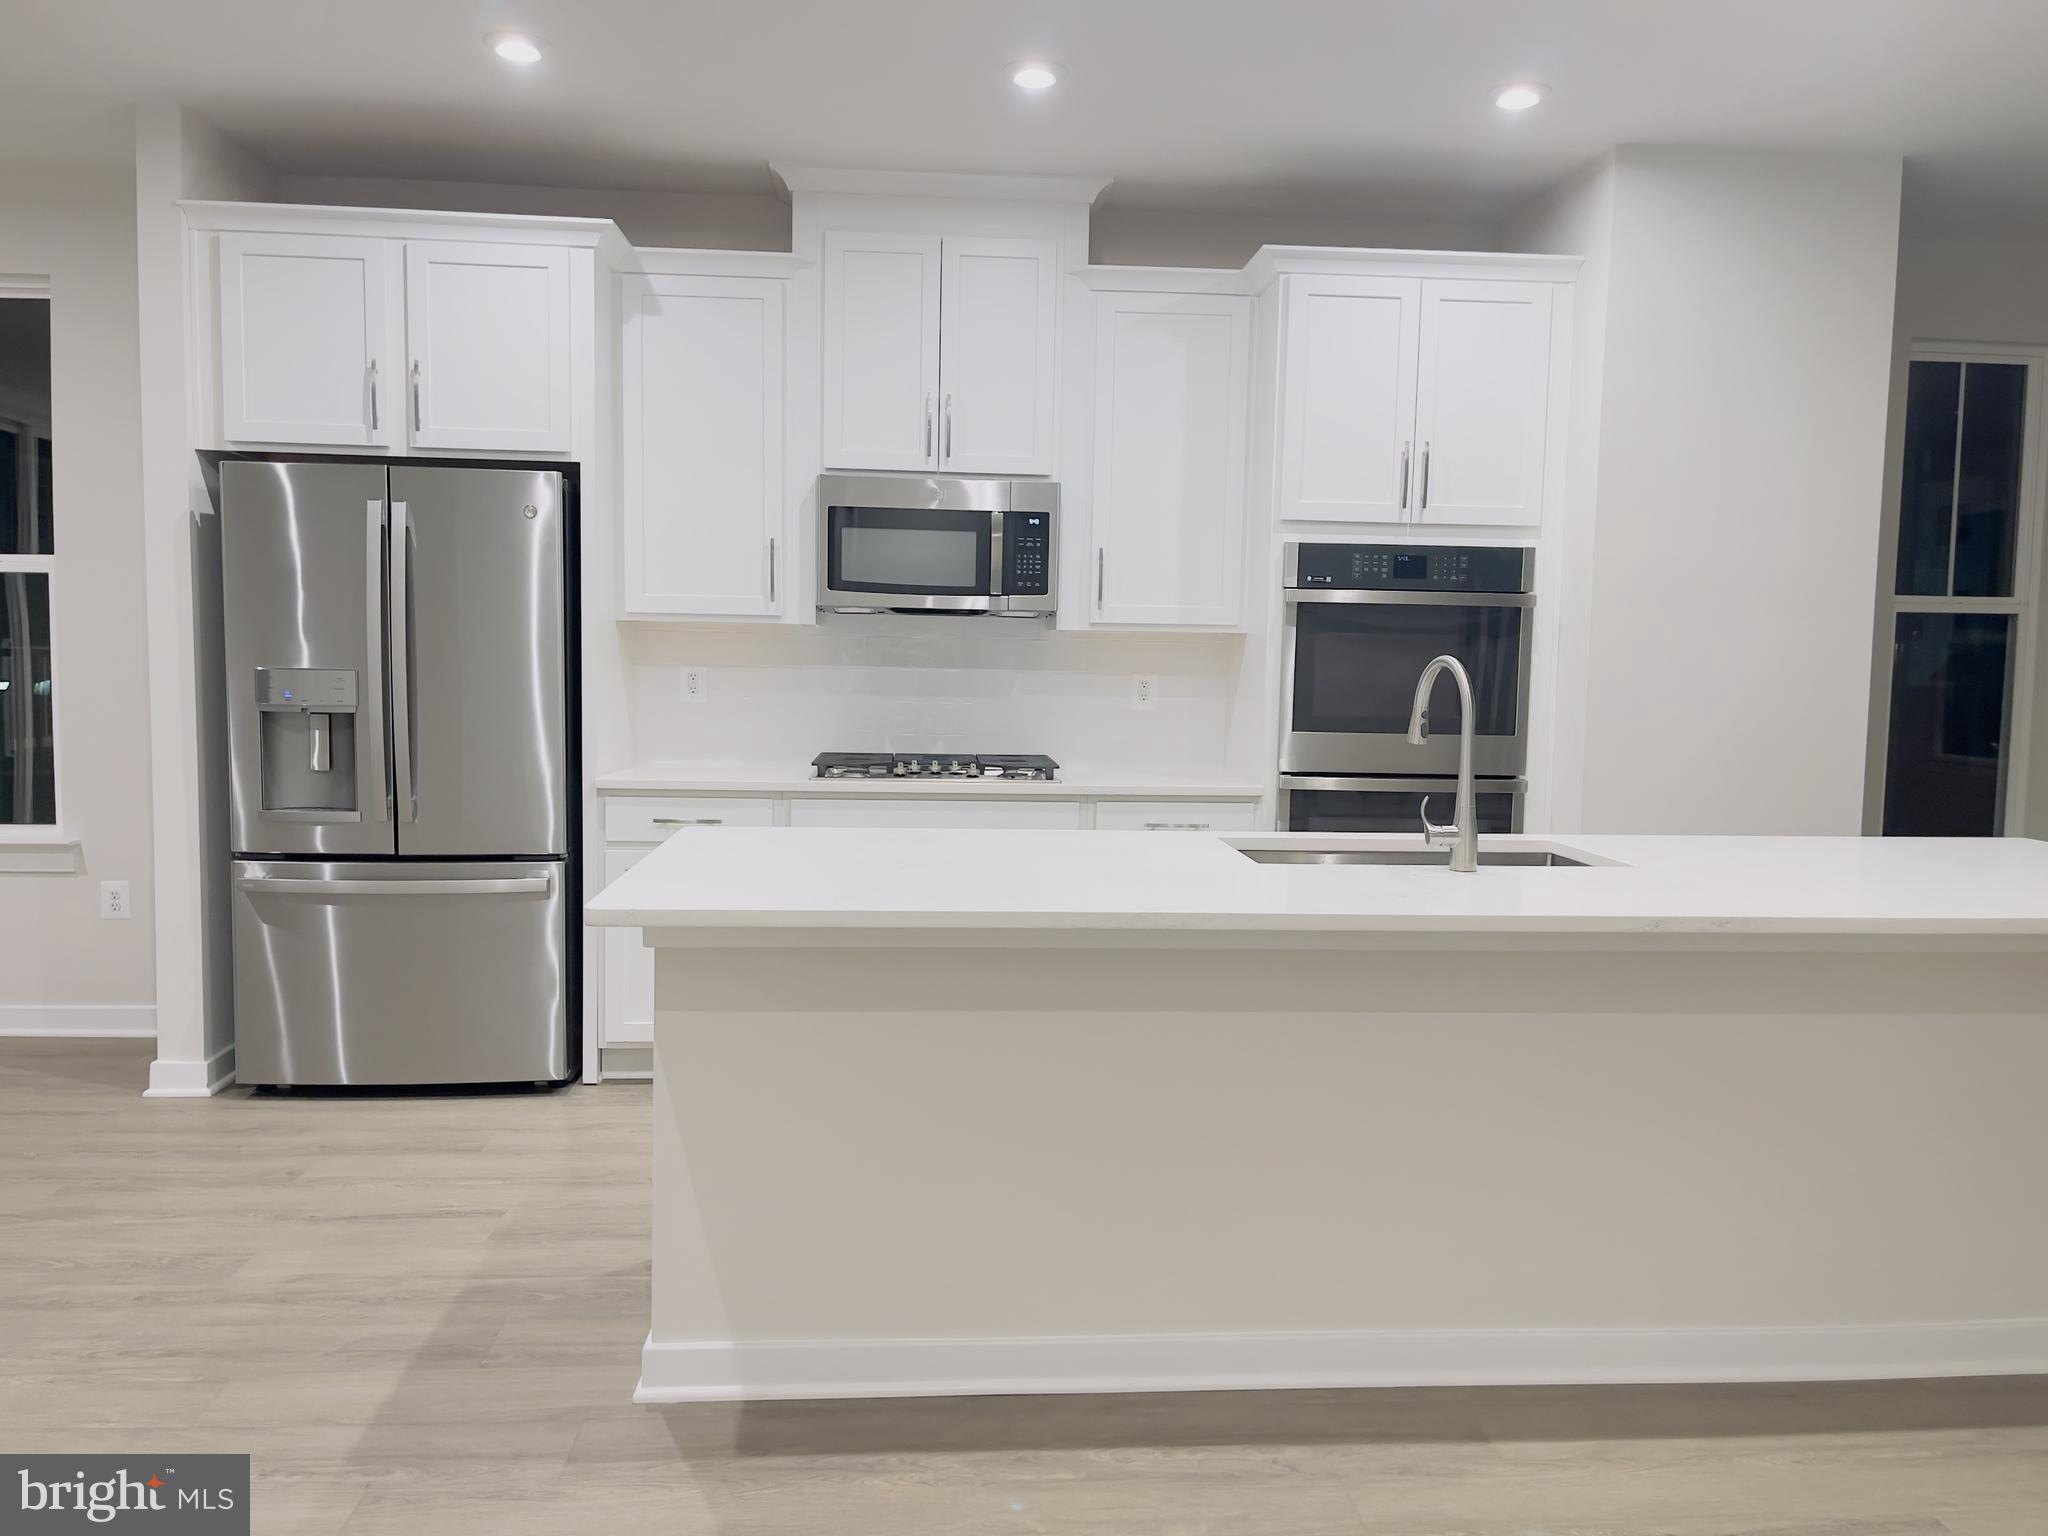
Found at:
(28, 766)
(1960, 609)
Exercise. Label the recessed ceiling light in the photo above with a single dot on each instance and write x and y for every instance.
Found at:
(1520, 96)
(515, 48)
(1035, 77)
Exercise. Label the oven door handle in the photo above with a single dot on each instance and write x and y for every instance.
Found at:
(1374, 785)
(1296, 595)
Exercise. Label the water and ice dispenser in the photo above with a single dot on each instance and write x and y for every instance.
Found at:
(309, 739)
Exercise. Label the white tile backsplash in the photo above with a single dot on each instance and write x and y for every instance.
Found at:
(775, 696)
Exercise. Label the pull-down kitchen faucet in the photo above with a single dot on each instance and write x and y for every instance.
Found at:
(1464, 827)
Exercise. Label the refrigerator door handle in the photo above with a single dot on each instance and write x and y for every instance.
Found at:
(521, 885)
(401, 664)
(374, 788)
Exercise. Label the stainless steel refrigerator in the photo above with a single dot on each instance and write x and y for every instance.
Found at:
(398, 697)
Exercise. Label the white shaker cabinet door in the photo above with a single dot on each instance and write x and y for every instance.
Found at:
(487, 342)
(1348, 433)
(703, 407)
(881, 351)
(998, 339)
(303, 342)
(1172, 375)
(626, 1016)
(1483, 402)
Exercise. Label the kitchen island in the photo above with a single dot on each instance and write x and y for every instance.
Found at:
(951, 1112)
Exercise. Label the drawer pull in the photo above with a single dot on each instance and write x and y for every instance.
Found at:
(689, 821)
(1176, 826)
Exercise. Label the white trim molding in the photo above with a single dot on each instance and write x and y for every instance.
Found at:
(79, 1021)
(191, 1079)
(25, 851)
(961, 184)
(833, 1368)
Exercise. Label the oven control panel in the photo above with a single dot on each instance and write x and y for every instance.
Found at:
(1410, 567)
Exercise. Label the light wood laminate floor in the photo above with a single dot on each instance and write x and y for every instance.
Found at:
(423, 1315)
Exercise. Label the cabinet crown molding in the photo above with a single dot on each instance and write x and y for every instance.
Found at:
(958, 184)
(406, 223)
(1270, 263)
(689, 261)
(1165, 279)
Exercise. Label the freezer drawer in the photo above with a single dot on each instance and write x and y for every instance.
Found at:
(388, 973)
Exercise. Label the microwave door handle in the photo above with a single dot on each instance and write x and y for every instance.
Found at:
(996, 549)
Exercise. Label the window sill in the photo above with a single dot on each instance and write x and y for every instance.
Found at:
(24, 851)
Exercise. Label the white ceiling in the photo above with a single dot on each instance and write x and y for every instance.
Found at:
(1303, 105)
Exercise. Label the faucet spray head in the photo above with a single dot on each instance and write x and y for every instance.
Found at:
(1418, 725)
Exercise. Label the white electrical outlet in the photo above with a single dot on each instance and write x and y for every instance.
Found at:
(1144, 691)
(693, 685)
(113, 898)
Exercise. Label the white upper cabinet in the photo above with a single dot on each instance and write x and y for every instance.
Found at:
(881, 361)
(1482, 403)
(939, 353)
(703, 409)
(1172, 378)
(1347, 448)
(1415, 399)
(303, 341)
(487, 342)
(997, 334)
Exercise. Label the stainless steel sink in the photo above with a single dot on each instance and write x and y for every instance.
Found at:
(1522, 858)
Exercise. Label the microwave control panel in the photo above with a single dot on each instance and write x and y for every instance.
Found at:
(1411, 567)
(1027, 554)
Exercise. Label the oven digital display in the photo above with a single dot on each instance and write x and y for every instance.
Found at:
(1411, 567)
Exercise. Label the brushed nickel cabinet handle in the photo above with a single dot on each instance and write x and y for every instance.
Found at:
(1098, 577)
(419, 420)
(927, 427)
(1425, 477)
(949, 427)
(1406, 449)
(771, 570)
(373, 394)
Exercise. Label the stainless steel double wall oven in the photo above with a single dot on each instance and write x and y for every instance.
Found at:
(1363, 620)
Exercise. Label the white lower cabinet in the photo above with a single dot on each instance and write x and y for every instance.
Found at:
(1176, 816)
(1053, 815)
(654, 819)
(626, 1014)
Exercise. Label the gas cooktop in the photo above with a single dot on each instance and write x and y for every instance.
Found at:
(933, 765)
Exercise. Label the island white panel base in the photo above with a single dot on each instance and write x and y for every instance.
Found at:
(1225, 1362)
(958, 1170)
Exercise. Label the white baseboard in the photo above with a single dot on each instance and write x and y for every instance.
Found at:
(725, 1372)
(191, 1079)
(79, 1021)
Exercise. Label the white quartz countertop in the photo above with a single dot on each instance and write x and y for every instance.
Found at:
(710, 884)
(681, 777)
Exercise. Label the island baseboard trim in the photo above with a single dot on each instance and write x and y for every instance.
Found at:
(719, 1371)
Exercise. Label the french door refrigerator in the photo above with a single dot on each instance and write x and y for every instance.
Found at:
(396, 641)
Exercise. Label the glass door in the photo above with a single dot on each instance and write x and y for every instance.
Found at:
(908, 551)
(1959, 608)
(1356, 658)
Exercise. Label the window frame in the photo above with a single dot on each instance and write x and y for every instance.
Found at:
(2021, 605)
(52, 831)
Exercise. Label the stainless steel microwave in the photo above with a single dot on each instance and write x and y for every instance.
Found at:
(937, 544)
